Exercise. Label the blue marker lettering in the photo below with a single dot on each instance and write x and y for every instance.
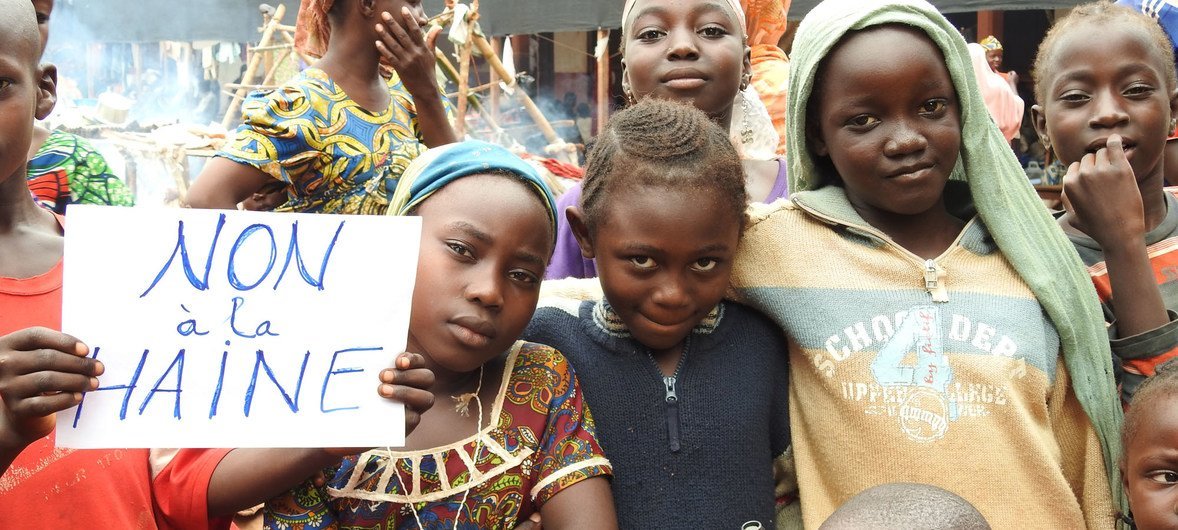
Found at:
(199, 283)
(331, 370)
(129, 387)
(261, 363)
(188, 327)
(178, 364)
(293, 250)
(220, 381)
(245, 234)
(262, 329)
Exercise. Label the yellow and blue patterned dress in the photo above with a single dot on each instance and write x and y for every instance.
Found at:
(543, 441)
(335, 156)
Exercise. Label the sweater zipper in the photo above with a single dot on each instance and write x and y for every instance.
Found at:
(671, 395)
(931, 273)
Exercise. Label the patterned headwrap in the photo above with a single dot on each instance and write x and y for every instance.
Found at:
(437, 167)
(990, 43)
(734, 5)
(312, 30)
(766, 20)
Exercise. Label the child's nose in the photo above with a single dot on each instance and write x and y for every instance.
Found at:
(1107, 111)
(905, 140)
(681, 45)
(671, 293)
(485, 290)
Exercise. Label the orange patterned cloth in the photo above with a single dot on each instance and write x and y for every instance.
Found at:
(312, 29)
(766, 25)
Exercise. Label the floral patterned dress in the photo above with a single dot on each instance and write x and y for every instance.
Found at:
(544, 441)
(67, 169)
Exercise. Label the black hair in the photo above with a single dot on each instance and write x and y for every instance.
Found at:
(1102, 15)
(1164, 384)
(661, 143)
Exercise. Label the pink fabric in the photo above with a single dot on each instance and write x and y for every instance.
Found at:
(1004, 104)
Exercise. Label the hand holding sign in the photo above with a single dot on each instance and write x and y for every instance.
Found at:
(42, 372)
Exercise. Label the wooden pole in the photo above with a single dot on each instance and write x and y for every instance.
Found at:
(497, 47)
(529, 105)
(464, 53)
(451, 73)
(252, 68)
(602, 80)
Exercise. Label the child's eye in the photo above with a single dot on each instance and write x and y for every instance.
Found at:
(1074, 96)
(863, 120)
(704, 264)
(649, 34)
(1139, 90)
(713, 31)
(642, 262)
(460, 249)
(42, 18)
(523, 276)
(1164, 477)
(934, 106)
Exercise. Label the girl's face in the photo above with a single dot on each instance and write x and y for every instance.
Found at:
(664, 256)
(1099, 87)
(688, 51)
(889, 121)
(485, 243)
(1151, 467)
(994, 58)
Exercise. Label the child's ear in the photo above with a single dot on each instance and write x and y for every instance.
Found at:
(747, 67)
(576, 219)
(1173, 105)
(814, 138)
(1039, 120)
(46, 90)
(368, 8)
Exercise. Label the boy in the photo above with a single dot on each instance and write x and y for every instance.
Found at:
(43, 371)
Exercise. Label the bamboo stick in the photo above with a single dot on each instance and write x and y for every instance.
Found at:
(252, 67)
(602, 81)
(463, 87)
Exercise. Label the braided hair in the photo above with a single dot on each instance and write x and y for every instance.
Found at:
(657, 143)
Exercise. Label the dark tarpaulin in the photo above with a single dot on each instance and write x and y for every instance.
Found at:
(238, 20)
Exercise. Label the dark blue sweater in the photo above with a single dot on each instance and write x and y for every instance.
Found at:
(732, 415)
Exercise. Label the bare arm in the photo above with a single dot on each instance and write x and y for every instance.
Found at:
(1102, 199)
(223, 183)
(411, 53)
(586, 504)
(248, 477)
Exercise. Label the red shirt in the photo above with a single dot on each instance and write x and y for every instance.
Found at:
(50, 487)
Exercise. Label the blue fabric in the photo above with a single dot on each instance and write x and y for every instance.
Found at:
(440, 166)
(1163, 11)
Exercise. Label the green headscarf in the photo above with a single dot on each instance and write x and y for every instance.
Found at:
(1023, 229)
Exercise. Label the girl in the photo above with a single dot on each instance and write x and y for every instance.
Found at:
(1106, 111)
(926, 348)
(338, 134)
(661, 356)
(1151, 441)
(1003, 102)
(488, 226)
(695, 52)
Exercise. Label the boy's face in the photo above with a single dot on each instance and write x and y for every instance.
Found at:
(1099, 87)
(27, 91)
(1151, 467)
(485, 243)
(664, 256)
(889, 122)
(686, 51)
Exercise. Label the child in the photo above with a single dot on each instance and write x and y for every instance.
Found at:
(339, 133)
(1106, 110)
(690, 392)
(924, 289)
(1151, 440)
(64, 168)
(906, 506)
(43, 371)
(488, 226)
(690, 51)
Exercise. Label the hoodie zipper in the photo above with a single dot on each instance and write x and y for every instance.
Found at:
(671, 395)
(931, 272)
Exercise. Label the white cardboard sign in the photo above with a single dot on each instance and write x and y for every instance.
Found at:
(236, 329)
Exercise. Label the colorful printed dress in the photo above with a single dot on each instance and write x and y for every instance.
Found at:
(337, 156)
(68, 170)
(544, 441)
